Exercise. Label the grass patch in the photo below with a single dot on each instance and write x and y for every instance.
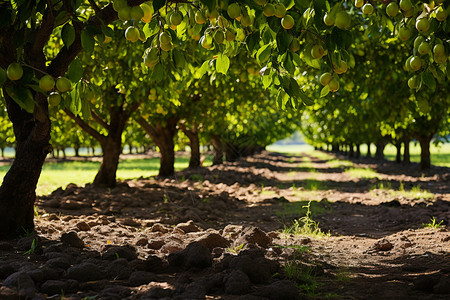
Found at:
(297, 209)
(337, 163)
(433, 223)
(305, 226)
(55, 175)
(416, 192)
(361, 173)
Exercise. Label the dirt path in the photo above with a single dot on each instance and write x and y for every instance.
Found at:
(216, 233)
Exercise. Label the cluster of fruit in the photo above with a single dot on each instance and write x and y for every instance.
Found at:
(47, 83)
(143, 12)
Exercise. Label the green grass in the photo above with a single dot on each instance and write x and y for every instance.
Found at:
(60, 174)
(416, 192)
(433, 223)
(361, 173)
(293, 149)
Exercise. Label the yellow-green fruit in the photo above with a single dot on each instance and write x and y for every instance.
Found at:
(422, 25)
(342, 20)
(328, 20)
(148, 12)
(441, 14)
(413, 82)
(151, 58)
(136, 13)
(439, 50)
(406, 5)
(333, 85)
(47, 83)
(359, 3)
(440, 59)
(234, 10)
(325, 78)
(165, 38)
(367, 9)
(342, 68)
(54, 99)
(317, 51)
(219, 37)
(269, 10)
(280, 10)
(166, 47)
(295, 45)
(409, 13)
(423, 105)
(212, 14)
(246, 21)
(63, 84)
(118, 4)
(230, 35)
(176, 18)
(404, 33)
(14, 71)
(287, 22)
(132, 34)
(261, 2)
(424, 48)
(407, 65)
(415, 63)
(419, 39)
(200, 18)
(207, 42)
(392, 9)
(124, 13)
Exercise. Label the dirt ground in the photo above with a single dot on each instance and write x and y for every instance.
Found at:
(217, 233)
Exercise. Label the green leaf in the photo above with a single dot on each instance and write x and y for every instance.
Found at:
(87, 41)
(75, 71)
(263, 54)
(22, 96)
(68, 35)
(267, 79)
(222, 63)
(204, 68)
(179, 59)
(325, 90)
(283, 41)
(429, 80)
(108, 31)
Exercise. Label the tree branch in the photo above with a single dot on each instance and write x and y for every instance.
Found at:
(99, 120)
(94, 6)
(83, 125)
(150, 129)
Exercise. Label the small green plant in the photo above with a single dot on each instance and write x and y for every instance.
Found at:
(381, 186)
(235, 250)
(343, 276)
(303, 275)
(32, 248)
(306, 226)
(117, 255)
(36, 212)
(433, 223)
(361, 173)
(196, 178)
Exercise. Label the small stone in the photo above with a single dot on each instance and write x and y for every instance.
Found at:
(159, 293)
(254, 235)
(189, 226)
(426, 283)
(171, 247)
(280, 290)
(213, 240)
(7, 293)
(195, 255)
(115, 252)
(71, 239)
(6, 246)
(130, 222)
(23, 282)
(83, 226)
(383, 245)
(85, 272)
(159, 228)
(141, 277)
(237, 283)
(5, 270)
(141, 242)
(26, 243)
(119, 269)
(115, 292)
(155, 244)
(59, 262)
(53, 287)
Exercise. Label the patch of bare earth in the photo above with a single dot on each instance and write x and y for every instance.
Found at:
(215, 233)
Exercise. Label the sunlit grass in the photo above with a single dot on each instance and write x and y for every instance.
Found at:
(416, 192)
(337, 163)
(361, 173)
(55, 175)
(293, 149)
(305, 225)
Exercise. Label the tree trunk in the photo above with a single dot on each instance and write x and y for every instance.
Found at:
(3, 152)
(369, 154)
(111, 149)
(18, 190)
(406, 155)
(351, 152)
(218, 150)
(163, 137)
(358, 151)
(398, 156)
(379, 154)
(425, 159)
(77, 151)
(194, 143)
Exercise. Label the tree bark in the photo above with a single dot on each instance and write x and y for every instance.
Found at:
(406, 155)
(194, 143)
(77, 150)
(163, 135)
(18, 190)
(369, 154)
(351, 152)
(379, 154)
(358, 151)
(425, 158)
(218, 150)
(398, 156)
